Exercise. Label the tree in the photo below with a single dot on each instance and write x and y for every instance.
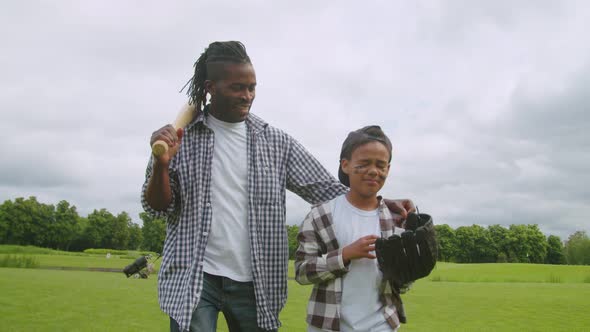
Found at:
(445, 237)
(66, 226)
(474, 245)
(577, 249)
(135, 236)
(120, 231)
(292, 232)
(154, 232)
(99, 233)
(554, 251)
(526, 244)
(500, 241)
(5, 231)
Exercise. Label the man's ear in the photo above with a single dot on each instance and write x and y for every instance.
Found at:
(210, 87)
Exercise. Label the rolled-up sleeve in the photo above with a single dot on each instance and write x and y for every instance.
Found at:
(173, 207)
(307, 178)
(312, 265)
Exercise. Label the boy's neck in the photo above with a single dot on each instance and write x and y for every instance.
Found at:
(362, 203)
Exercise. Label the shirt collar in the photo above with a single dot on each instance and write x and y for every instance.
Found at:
(255, 123)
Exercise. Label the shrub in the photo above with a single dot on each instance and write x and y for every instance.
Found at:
(28, 262)
(554, 279)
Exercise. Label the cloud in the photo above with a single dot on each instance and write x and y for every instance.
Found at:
(484, 103)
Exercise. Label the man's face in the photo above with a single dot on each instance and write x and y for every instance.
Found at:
(367, 169)
(233, 92)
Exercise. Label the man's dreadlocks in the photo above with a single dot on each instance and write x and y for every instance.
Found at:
(228, 51)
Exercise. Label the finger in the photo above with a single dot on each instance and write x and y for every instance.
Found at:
(370, 256)
(180, 133)
(370, 241)
(409, 205)
(161, 137)
(171, 136)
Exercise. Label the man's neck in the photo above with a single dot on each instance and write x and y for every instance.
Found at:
(362, 203)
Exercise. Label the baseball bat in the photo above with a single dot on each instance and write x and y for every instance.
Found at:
(184, 117)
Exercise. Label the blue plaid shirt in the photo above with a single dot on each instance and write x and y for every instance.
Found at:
(276, 162)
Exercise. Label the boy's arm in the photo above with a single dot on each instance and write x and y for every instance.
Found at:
(312, 265)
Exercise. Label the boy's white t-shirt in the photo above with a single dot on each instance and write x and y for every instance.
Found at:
(360, 308)
(228, 247)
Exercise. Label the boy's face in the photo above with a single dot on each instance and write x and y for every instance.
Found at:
(367, 168)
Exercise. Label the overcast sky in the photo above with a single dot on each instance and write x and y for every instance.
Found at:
(486, 102)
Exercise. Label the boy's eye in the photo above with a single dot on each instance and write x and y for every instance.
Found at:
(365, 168)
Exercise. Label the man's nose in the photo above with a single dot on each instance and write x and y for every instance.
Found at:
(247, 96)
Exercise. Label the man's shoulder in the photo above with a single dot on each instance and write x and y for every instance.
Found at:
(260, 126)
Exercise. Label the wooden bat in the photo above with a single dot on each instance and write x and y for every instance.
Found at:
(184, 117)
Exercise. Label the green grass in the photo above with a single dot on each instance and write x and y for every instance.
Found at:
(456, 297)
(45, 300)
(22, 261)
(509, 272)
(471, 306)
(15, 249)
(83, 261)
(95, 258)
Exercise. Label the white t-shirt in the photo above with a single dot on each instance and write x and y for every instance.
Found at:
(228, 246)
(360, 308)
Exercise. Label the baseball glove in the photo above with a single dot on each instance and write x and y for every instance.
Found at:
(411, 256)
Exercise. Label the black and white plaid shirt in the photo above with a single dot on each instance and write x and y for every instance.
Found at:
(276, 162)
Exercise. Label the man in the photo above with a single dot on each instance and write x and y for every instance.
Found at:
(221, 187)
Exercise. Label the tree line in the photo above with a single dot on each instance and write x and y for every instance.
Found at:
(29, 222)
(498, 244)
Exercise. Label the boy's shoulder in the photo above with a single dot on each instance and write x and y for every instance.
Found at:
(326, 206)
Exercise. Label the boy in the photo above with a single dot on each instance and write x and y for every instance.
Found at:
(337, 243)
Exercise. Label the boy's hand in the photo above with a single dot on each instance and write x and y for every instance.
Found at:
(361, 248)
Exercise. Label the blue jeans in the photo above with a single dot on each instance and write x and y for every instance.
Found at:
(235, 299)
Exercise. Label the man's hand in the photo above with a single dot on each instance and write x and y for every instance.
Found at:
(401, 207)
(361, 248)
(169, 136)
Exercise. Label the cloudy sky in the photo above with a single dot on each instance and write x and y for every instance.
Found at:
(485, 101)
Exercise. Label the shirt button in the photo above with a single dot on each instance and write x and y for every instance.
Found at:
(205, 233)
(208, 204)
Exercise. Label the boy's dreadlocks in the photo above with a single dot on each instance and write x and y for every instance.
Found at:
(216, 52)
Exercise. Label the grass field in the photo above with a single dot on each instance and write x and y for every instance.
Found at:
(456, 297)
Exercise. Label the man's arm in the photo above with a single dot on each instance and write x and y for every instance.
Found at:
(160, 189)
(158, 193)
(307, 178)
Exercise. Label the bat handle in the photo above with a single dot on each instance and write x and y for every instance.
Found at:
(159, 148)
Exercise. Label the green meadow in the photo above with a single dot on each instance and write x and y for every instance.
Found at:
(455, 297)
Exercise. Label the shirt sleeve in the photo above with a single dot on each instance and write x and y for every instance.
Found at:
(173, 208)
(312, 265)
(307, 178)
